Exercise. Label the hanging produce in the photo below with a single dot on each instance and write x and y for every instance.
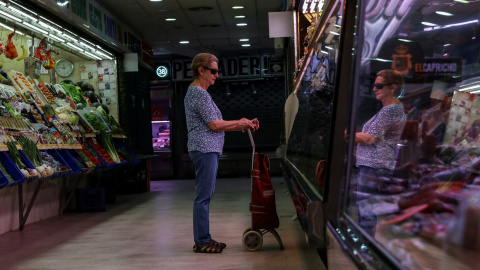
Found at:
(10, 50)
(51, 63)
(40, 52)
(24, 53)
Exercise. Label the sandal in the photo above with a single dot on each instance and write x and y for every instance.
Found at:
(217, 244)
(207, 248)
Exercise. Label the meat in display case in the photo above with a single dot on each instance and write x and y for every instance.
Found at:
(161, 136)
(402, 188)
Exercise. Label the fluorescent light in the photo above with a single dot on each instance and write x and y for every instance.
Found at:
(469, 87)
(245, 45)
(164, 121)
(459, 24)
(461, 1)
(62, 4)
(75, 47)
(10, 29)
(170, 19)
(86, 45)
(330, 48)
(91, 55)
(324, 52)
(184, 42)
(49, 27)
(244, 39)
(241, 24)
(237, 7)
(239, 16)
(429, 24)
(2, 3)
(443, 13)
(155, 0)
(10, 16)
(338, 26)
(104, 55)
(405, 40)
(36, 28)
(23, 13)
(334, 33)
(56, 38)
(69, 37)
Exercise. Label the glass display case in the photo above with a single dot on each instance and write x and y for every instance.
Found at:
(422, 210)
(161, 136)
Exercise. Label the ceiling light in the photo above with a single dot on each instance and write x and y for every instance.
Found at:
(429, 24)
(62, 3)
(49, 27)
(334, 33)
(461, 1)
(405, 40)
(88, 46)
(104, 55)
(170, 19)
(239, 16)
(244, 39)
(36, 28)
(11, 29)
(10, 16)
(69, 37)
(2, 3)
(330, 48)
(75, 47)
(155, 0)
(237, 7)
(91, 55)
(459, 24)
(184, 42)
(56, 38)
(245, 45)
(443, 13)
(23, 13)
(241, 24)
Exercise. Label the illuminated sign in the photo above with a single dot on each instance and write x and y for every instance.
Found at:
(162, 72)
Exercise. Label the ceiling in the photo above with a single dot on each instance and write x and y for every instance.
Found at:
(208, 25)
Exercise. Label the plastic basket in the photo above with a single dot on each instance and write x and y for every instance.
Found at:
(28, 163)
(70, 161)
(54, 153)
(106, 166)
(74, 153)
(90, 199)
(11, 169)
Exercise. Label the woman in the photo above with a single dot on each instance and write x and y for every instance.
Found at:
(206, 130)
(376, 144)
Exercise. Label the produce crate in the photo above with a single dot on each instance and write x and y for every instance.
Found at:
(54, 153)
(28, 163)
(90, 199)
(75, 155)
(119, 145)
(69, 161)
(11, 169)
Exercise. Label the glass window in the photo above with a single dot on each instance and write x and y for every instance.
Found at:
(414, 177)
(309, 138)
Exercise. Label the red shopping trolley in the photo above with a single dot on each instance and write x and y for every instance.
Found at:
(262, 205)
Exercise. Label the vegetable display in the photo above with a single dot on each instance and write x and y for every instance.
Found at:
(72, 92)
(105, 137)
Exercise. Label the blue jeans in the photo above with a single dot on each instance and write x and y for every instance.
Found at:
(206, 165)
(369, 221)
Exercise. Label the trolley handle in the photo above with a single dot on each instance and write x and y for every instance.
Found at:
(253, 145)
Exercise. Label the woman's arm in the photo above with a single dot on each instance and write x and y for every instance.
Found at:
(364, 138)
(233, 125)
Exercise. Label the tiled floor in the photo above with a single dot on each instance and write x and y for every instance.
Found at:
(154, 231)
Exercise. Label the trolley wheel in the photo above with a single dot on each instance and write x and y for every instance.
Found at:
(252, 240)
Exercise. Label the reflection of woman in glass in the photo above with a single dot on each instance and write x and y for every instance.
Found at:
(378, 140)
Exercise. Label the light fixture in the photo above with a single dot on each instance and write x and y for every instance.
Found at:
(405, 40)
(62, 3)
(184, 42)
(244, 39)
(2, 3)
(241, 24)
(239, 16)
(330, 48)
(245, 45)
(101, 51)
(334, 33)
(49, 27)
(461, 1)
(36, 28)
(237, 7)
(443, 13)
(10, 16)
(155, 0)
(459, 24)
(69, 37)
(11, 29)
(22, 13)
(75, 47)
(170, 19)
(429, 24)
(104, 55)
(91, 55)
(86, 45)
(56, 38)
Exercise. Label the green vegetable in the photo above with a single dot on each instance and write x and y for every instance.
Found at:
(72, 92)
(13, 153)
(104, 137)
(9, 177)
(31, 151)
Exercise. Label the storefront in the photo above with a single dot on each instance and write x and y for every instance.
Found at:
(424, 214)
(62, 92)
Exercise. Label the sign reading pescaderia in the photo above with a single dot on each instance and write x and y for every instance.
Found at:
(229, 68)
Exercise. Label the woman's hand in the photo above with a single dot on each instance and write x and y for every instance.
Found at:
(364, 138)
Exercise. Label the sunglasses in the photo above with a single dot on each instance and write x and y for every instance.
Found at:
(212, 70)
(381, 85)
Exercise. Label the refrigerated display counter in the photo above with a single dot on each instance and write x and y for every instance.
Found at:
(426, 210)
